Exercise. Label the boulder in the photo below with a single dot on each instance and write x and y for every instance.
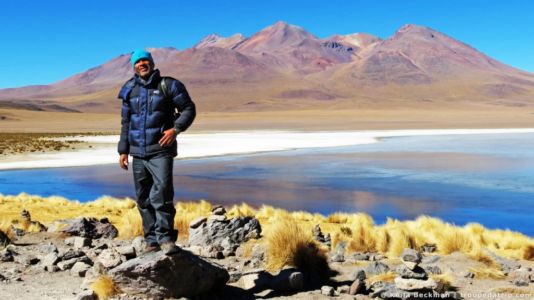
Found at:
(69, 254)
(109, 258)
(357, 287)
(156, 275)
(91, 228)
(228, 234)
(50, 260)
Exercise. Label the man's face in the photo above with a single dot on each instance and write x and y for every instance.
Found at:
(143, 68)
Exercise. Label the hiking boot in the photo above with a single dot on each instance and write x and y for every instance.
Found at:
(170, 248)
(150, 248)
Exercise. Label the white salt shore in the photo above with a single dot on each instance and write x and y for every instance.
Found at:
(226, 143)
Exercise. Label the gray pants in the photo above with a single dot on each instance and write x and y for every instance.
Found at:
(155, 193)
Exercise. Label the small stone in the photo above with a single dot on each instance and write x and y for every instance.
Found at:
(411, 258)
(416, 273)
(358, 274)
(519, 277)
(197, 222)
(360, 256)
(80, 242)
(344, 289)
(327, 290)
(357, 287)
(51, 268)
(467, 274)
(48, 248)
(72, 254)
(430, 248)
(50, 259)
(219, 211)
(337, 258)
(109, 258)
(127, 251)
(87, 295)
(139, 244)
(434, 270)
(217, 218)
(415, 284)
(79, 269)
(376, 268)
(6, 256)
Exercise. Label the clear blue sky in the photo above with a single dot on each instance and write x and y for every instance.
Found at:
(46, 41)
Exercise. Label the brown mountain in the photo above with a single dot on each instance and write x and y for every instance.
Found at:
(284, 67)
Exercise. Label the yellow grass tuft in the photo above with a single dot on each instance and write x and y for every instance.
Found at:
(386, 277)
(289, 245)
(487, 273)
(513, 291)
(104, 287)
(358, 230)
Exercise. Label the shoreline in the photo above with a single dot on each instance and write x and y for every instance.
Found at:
(197, 145)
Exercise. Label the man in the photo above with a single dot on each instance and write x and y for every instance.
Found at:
(150, 125)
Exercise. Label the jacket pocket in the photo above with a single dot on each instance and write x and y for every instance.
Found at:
(134, 105)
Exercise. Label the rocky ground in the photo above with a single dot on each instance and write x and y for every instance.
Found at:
(217, 264)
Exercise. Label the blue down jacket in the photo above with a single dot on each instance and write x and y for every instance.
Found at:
(146, 113)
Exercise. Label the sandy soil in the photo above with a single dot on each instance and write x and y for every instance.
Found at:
(349, 119)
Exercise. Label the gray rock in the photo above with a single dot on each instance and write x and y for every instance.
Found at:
(79, 269)
(26, 260)
(87, 295)
(4, 239)
(415, 284)
(51, 268)
(411, 258)
(360, 256)
(197, 222)
(507, 265)
(357, 287)
(70, 253)
(91, 228)
(520, 277)
(430, 248)
(156, 275)
(337, 258)
(50, 260)
(434, 270)
(430, 259)
(358, 274)
(467, 274)
(6, 256)
(81, 242)
(228, 234)
(258, 252)
(69, 241)
(416, 273)
(218, 211)
(109, 258)
(287, 280)
(217, 218)
(127, 251)
(139, 244)
(343, 289)
(67, 264)
(48, 248)
(375, 268)
(327, 290)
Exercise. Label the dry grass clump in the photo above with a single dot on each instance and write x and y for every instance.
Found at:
(514, 291)
(487, 273)
(358, 231)
(289, 245)
(16, 143)
(104, 287)
(385, 277)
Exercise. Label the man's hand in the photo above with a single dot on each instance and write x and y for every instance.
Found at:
(123, 161)
(169, 136)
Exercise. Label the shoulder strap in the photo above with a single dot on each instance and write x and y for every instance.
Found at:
(164, 87)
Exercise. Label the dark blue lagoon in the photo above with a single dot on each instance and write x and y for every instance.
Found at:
(484, 178)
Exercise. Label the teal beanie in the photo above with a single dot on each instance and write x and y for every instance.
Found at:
(140, 54)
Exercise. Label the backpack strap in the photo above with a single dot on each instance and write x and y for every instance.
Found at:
(163, 87)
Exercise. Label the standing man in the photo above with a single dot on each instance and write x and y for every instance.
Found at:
(155, 110)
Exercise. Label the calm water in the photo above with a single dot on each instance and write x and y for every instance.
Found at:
(460, 178)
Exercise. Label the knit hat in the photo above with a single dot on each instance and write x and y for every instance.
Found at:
(140, 54)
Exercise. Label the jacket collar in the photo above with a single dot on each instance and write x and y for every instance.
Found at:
(154, 77)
